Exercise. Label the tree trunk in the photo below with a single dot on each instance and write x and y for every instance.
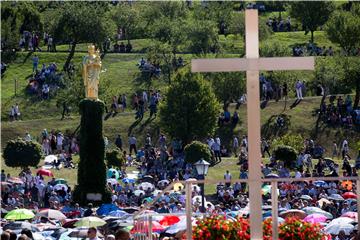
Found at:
(357, 94)
(70, 56)
(312, 36)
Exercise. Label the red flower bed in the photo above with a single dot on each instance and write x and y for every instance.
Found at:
(219, 228)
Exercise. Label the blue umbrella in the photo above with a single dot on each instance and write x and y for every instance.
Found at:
(111, 172)
(266, 214)
(105, 209)
(128, 180)
(118, 213)
(320, 183)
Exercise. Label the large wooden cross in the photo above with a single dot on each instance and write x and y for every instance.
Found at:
(252, 64)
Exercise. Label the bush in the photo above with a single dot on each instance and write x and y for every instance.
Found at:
(114, 158)
(293, 140)
(196, 151)
(20, 153)
(287, 154)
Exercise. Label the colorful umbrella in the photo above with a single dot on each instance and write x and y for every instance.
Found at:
(60, 181)
(311, 210)
(348, 195)
(143, 227)
(19, 214)
(352, 215)
(90, 222)
(15, 180)
(113, 172)
(169, 220)
(52, 214)
(106, 208)
(178, 186)
(45, 172)
(128, 180)
(315, 218)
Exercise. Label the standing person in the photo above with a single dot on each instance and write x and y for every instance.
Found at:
(285, 91)
(132, 144)
(59, 142)
(17, 112)
(265, 147)
(162, 141)
(335, 151)
(12, 113)
(145, 99)
(298, 89)
(123, 100)
(118, 142)
(153, 103)
(35, 61)
(216, 147)
(227, 177)
(235, 145)
(49, 43)
(65, 111)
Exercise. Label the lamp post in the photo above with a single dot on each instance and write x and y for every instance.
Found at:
(202, 168)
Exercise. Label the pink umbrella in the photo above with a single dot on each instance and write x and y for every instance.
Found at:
(352, 215)
(45, 172)
(315, 218)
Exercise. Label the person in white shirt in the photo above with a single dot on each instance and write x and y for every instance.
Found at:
(27, 137)
(59, 141)
(17, 112)
(132, 144)
(227, 177)
(210, 142)
(235, 145)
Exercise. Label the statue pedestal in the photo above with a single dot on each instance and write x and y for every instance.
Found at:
(91, 168)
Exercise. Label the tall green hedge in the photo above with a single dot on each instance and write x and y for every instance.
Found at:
(20, 153)
(92, 169)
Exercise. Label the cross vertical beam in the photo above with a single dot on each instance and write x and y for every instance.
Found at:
(253, 121)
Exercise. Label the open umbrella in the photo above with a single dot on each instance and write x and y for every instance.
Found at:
(60, 186)
(156, 192)
(52, 214)
(128, 180)
(347, 184)
(5, 186)
(17, 227)
(147, 178)
(45, 172)
(146, 185)
(49, 159)
(143, 227)
(348, 195)
(90, 222)
(342, 220)
(306, 197)
(60, 181)
(293, 213)
(178, 186)
(272, 175)
(19, 214)
(82, 234)
(112, 181)
(169, 220)
(106, 208)
(352, 215)
(139, 192)
(315, 218)
(113, 172)
(322, 201)
(118, 213)
(15, 180)
(336, 228)
(163, 183)
(311, 210)
(336, 197)
(320, 183)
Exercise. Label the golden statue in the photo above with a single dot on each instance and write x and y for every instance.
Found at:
(91, 72)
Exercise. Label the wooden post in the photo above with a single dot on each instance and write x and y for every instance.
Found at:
(274, 211)
(188, 203)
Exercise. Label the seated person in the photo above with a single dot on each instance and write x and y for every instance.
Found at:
(128, 48)
(122, 48)
(116, 47)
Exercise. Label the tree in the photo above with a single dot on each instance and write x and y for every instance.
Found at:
(114, 158)
(343, 28)
(351, 73)
(312, 14)
(190, 108)
(202, 37)
(287, 154)
(195, 151)
(295, 141)
(82, 22)
(227, 86)
(20, 153)
(127, 17)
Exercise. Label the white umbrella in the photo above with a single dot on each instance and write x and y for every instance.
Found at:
(196, 188)
(342, 220)
(336, 197)
(60, 186)
(50, 159)
(112, 181)
(146, 185)
(336, 228)
(180, 226)
(306, 197)
(163, 183)
(52, 214)
(197, 199)
(156, 192)
(138, 192)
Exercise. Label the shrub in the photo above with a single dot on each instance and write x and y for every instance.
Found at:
(196, 151)
(20, 153)
(114, 158)
(293, 140)
(294, 228)
(287, 154)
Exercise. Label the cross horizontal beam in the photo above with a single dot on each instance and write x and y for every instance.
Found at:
(246, 64)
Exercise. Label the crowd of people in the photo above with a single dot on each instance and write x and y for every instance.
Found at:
(279, 25)
(312, 50)
(339, 112)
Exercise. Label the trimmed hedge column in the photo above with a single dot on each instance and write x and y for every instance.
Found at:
(91, 169)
